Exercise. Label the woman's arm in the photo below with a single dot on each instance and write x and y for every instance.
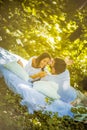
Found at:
(39, 75)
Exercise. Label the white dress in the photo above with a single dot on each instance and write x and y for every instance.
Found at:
(31, 70)
(33, 99)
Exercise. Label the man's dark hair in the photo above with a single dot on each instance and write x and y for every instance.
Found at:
(59, 65)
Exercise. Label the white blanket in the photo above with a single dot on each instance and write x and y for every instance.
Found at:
(33, 99)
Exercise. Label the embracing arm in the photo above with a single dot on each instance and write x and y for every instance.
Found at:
(39, 75)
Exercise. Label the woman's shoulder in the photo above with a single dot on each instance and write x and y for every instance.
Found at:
(30, 60)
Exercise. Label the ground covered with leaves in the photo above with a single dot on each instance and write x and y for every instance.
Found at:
(15, 117)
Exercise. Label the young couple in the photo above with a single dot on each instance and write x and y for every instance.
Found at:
(59, 74)
(36, 66)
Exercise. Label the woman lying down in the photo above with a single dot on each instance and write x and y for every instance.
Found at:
(18, 81)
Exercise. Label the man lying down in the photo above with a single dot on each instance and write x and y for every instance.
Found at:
(32, 98)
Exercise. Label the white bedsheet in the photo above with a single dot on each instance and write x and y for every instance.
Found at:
(33, 99)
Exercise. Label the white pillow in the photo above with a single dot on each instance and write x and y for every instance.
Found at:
(48, 88)
(17, 69)
(6, 56)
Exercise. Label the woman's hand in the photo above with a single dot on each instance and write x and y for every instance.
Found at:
(20, 63)
(68, 60)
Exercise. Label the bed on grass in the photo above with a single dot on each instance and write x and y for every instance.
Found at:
(17, 80)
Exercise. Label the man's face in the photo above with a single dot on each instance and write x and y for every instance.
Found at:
(52, 67)
(52, 62)
(53, 70)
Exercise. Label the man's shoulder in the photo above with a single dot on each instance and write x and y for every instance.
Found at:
(64, 74)
(67, 71)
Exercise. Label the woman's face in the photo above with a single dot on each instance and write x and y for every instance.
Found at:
(44, 62)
